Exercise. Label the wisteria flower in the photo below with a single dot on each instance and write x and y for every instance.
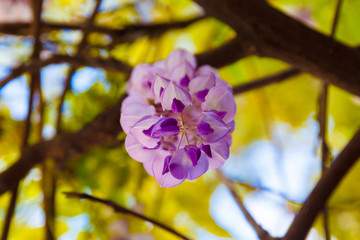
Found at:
(178, 118)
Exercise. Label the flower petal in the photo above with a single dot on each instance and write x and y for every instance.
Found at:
(181, 167)
(178, 56)
(131, 113)
(201, 83)
(220, 153)
(201, 167)
(193, 153)
(137, 151)
(164, 127)
(182, 74)
(158, 87)
(141, 79)
(217, 125)
(141, 125)
(164, 180)
(220, 99)
(148, 166)
(172, 91)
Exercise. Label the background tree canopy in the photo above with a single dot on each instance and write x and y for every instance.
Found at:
(295, 71)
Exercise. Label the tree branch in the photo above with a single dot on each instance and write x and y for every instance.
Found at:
(120, 209)
(279, 36)
(262, 82)
(323, 190)
(228, 53)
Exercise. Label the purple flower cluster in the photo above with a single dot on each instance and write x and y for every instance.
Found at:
(178, 118)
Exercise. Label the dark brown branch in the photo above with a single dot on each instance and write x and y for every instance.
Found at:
(120, 209)
(323, 190)
(262, 234)
(322, 117)
(262, 82)
(10, 212)
(228, 53)
(62, 98)
(279, 36)
(16, 72)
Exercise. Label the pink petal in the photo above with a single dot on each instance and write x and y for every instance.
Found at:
(200, 83)
(141, 80)
(148, 167)
(178, 56)
(220, 99)
(141, 125)
(180, 71)
(137, 151)
(181, 167)
(206, 70)
(158, 87)
(222, 83)
(159, 68)
(172, 91)
(220, 152)
(164, 180)
(131, 113)
(201, 167)
(217, 124)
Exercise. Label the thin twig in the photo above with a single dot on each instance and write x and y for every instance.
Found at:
(120, 209)
(62, 98)
(262, 82)
(10, 212)
(322, 118)
(262, 234)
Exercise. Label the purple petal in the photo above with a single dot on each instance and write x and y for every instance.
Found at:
(141, 125)
(205, 70)
(220, 152)
(201, 83)
(201, 167)
(137, 151)
(166, 164)
(184, 82)
(182, 74)
(221, 100)
(201, 95)
(132, 113)
(204, 128)
(206, 149)
(158, 87)
(165, 127)
(164, 180)
(222, 83)
(174, 91)
(177, 106)
(141, 77)
(179, 164)
(148, 167)
(220, 114)
(193, 153)
(217, 124)
(181, 167)
(178, 56)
